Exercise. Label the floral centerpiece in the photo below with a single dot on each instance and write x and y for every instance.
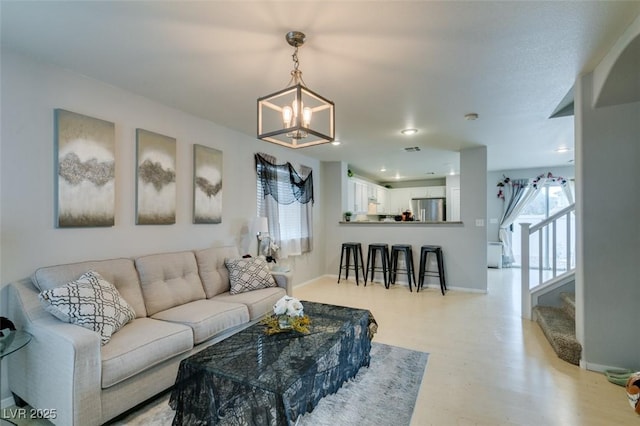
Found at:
(288, 314)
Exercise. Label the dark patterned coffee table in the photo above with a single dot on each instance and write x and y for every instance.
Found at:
(252, 378)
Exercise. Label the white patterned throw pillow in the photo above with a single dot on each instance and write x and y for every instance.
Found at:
(90, 302)
(248, 274)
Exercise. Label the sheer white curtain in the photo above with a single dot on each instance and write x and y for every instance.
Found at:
(290, 225)
(517, 194)
(568, 189)
(268, 207)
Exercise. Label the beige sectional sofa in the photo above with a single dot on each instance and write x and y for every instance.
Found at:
(182, 304)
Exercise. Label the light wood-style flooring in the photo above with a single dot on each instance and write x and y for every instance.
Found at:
(487, 366)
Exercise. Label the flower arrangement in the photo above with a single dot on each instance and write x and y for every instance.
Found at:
(288, 314)
(501, 184)
(558, 179)
(505, 181)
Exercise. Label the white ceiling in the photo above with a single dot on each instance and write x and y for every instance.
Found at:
(387, 65)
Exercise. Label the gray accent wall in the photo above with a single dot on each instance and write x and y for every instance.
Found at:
(31, 90)
(607, 216)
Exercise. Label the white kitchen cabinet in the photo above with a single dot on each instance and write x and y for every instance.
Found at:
(453, 204)
(428, 192)
(361, 198)
(436, 191)
(419, 192)
(351, 196)
(399, 200)
(358, 196)
(381, 198)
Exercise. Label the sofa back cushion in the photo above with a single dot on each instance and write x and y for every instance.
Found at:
(213, 272)
(168, 280)
(119, 272)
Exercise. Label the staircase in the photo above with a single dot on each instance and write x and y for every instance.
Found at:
(558, 325)
(555, 263)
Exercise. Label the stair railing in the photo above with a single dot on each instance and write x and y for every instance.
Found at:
(550, 246)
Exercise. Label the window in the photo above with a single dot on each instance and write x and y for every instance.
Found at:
(551, 199)
(288, 204)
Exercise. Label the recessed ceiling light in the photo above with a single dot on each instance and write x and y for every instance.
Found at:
(562, 149)
(335, 143)
(471, 116)
(383, 169)
(409, 132)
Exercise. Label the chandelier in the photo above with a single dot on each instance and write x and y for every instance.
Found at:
(296, 117)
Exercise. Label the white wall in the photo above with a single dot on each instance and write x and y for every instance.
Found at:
(464, 246)
(31, 91)
(608, 231)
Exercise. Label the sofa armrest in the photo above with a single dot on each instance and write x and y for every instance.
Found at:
(60, 368)
(284, 280)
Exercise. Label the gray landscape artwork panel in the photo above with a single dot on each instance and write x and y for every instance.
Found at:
(85, 170)
(156, 179)
(207, 185)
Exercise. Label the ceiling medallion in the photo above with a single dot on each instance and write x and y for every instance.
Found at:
(296, 117)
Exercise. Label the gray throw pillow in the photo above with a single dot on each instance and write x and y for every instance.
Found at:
(248, 274)
(90, 302)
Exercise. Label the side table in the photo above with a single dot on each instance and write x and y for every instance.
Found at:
(15, 340)
(9, 344)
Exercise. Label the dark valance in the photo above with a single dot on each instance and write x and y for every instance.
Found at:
(283, 183)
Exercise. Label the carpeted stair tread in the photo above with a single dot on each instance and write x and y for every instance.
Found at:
(560, 330)
(569, 304)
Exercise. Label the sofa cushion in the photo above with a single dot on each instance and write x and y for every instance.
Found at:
(90, 302)
(206, 317)
(259, 302)
(119, 272)
(213, 272)
(140, 345)
(248, 275)
(168, 280)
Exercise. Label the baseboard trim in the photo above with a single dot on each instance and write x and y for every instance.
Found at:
(7, 402)
(399, 282)
(311, 281)
(599, 368)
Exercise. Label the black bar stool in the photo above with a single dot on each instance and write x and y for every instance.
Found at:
(405, 249)
(424, 265)
(371, 262)
(354, 249)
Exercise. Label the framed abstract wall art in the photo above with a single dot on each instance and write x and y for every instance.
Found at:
(155, 179)
(84, 170)
(207, 185)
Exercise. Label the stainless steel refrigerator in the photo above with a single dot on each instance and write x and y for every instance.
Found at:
(429, 209)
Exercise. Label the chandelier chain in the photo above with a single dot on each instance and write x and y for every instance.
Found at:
(296, 63)
(296, 74)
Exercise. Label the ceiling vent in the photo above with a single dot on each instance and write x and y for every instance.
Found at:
(412, 149)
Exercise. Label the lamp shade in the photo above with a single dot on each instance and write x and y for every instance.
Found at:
(260, 225)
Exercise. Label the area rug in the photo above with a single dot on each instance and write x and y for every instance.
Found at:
(383, 394)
